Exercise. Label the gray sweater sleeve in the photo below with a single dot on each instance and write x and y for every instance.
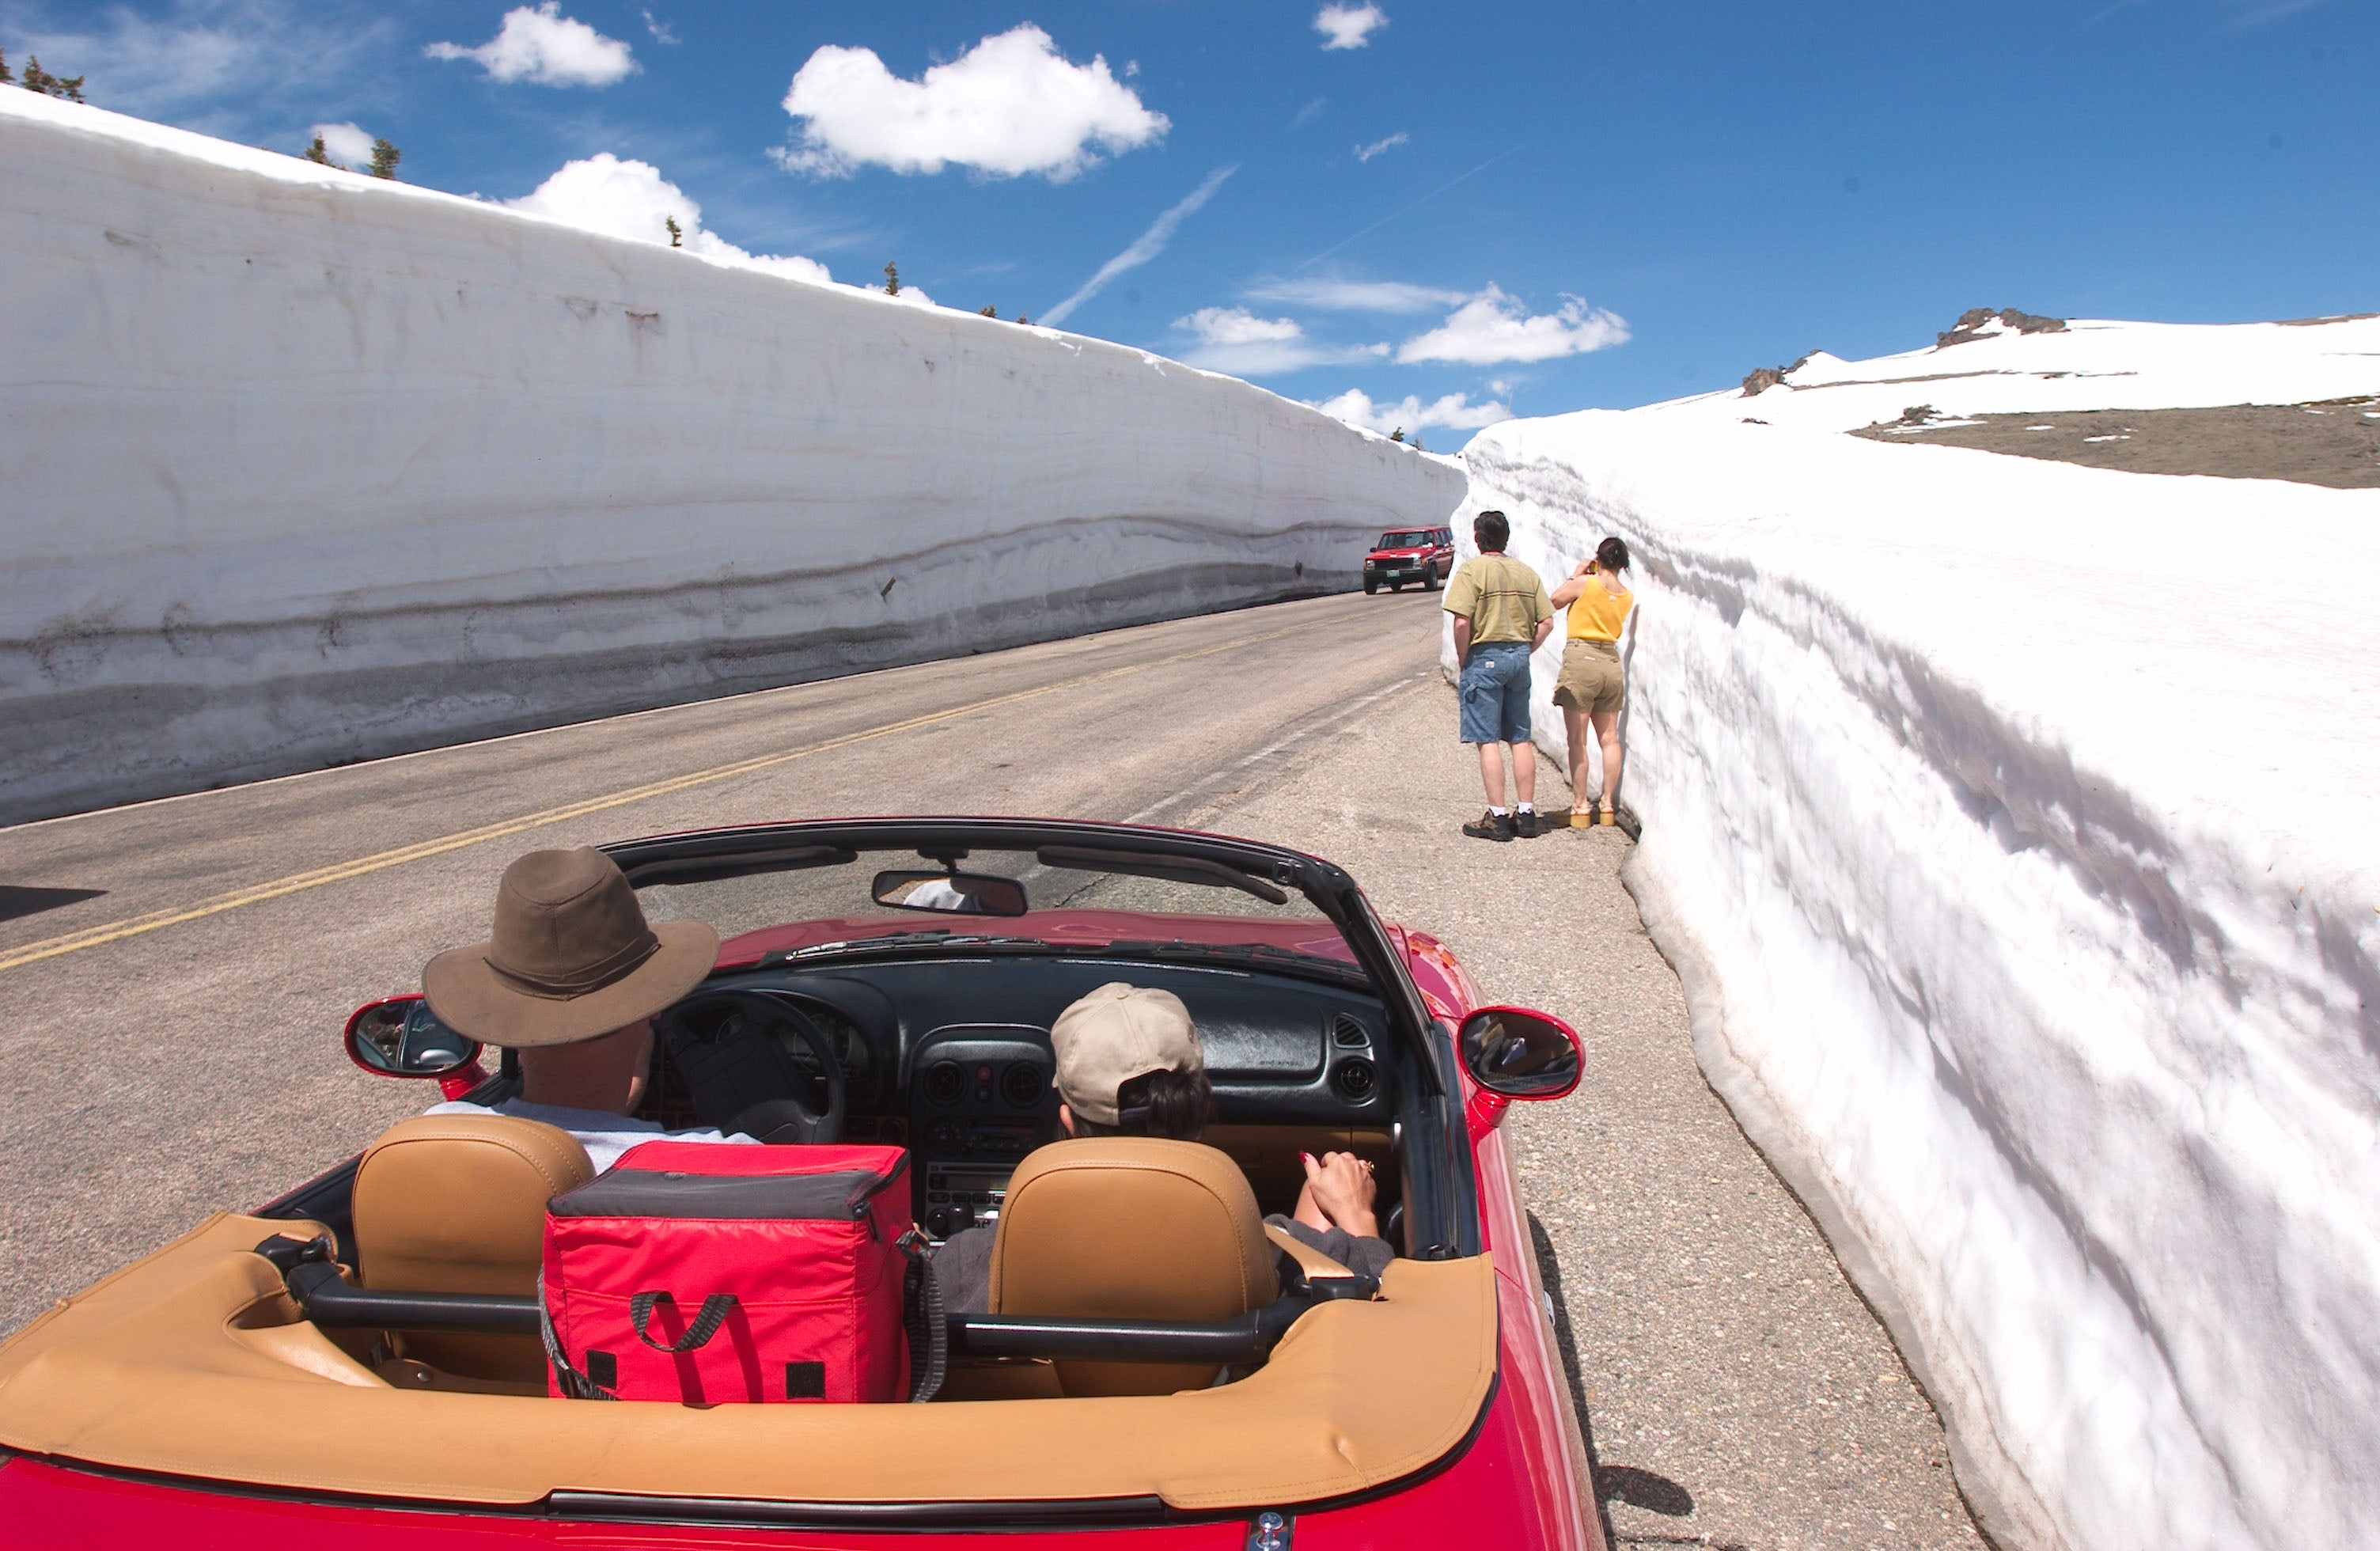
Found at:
(1366, 1256)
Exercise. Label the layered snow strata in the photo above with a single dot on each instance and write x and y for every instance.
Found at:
(2014, 828)
(304, 466)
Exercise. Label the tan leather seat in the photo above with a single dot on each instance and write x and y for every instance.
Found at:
(457, 1203)
(1131, 1227)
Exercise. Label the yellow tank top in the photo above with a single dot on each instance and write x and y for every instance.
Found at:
(1596, 615)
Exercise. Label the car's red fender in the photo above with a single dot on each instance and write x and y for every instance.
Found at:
(1534, 1380)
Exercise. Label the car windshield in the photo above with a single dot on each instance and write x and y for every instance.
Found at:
(1404, 540)
(1070, 897)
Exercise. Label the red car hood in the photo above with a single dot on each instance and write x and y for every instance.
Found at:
(1085, 928)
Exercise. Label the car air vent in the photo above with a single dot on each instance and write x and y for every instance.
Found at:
(1355, 1080)
(1024, 1084)
(1348, 1033)
(945, 1083)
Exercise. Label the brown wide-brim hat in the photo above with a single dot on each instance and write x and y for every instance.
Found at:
(572, 957)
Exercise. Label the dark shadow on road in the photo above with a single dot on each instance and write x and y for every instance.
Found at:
(1623, 1483)
(1549, 1277)
(1626, 1484)
(16, 902)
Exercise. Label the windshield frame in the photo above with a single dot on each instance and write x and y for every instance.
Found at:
(752, 849)
(1441, 1183)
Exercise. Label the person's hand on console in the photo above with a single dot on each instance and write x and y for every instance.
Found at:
(1339, 1194)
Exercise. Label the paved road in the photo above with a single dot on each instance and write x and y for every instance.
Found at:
(173, 978)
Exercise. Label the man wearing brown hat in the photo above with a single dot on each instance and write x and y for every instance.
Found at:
(569, 982)
(1129, 1064)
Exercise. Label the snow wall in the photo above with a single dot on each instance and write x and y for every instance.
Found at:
(2021, 857)
(301, 468)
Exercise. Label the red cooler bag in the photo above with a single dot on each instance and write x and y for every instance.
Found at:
(703, 1274)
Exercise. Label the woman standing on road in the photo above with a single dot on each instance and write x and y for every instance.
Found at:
(1589, 690)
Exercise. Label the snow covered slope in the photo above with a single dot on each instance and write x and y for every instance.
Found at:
(299, 466)
(2016, 827)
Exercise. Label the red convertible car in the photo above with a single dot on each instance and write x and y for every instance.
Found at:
(359, 1360)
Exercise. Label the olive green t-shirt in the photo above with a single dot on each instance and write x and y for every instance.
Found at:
(1504, 598)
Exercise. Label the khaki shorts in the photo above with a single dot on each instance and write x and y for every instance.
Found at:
(1590, 676)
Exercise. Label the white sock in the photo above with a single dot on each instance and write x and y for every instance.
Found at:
(1528, 808)
(1498, 813)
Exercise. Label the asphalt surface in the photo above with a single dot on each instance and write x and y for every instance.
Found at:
(174, 977)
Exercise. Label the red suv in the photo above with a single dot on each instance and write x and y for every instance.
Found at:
(1410, 554)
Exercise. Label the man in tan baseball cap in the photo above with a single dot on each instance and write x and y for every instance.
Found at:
(1129, 1064)
(1129, 1061)
(569, 981)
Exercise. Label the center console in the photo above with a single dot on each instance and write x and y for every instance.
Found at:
(980, 1099)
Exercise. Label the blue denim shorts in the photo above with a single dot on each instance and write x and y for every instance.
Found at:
(1494, 691)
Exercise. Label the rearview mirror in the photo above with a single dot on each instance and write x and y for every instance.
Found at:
(1520, 1054)
(965, 893)
(401, 1038)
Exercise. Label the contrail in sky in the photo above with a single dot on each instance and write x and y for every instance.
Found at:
(1147, 245)
(1407, 211)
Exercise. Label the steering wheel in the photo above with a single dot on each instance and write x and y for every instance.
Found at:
(727, 1047)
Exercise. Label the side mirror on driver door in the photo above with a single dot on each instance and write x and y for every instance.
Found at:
(399, 1036)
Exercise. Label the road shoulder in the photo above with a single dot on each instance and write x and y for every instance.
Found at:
(1736, 1389)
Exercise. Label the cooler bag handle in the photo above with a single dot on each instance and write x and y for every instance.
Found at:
(706, 1324)
(921, 1307)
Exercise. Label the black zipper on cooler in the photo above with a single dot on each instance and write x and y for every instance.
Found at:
(859, 1203)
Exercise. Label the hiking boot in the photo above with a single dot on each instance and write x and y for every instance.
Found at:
(1525, 824)
(1491, 826)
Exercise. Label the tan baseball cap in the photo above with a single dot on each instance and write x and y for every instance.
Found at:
(1115, 1034)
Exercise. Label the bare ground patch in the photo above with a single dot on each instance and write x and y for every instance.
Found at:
(2336, 443)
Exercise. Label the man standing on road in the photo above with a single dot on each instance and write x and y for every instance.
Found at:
(1501, 614)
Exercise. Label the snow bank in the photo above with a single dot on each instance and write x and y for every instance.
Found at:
(2014, 828)
(303, 466)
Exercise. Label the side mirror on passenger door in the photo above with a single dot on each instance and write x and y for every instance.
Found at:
(1512, 1052)
(399, 1036)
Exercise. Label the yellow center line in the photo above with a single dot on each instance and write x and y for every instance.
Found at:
(116, 931)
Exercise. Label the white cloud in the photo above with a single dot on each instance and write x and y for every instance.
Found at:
(1455, 411)
(1492, 327)
(1233, 339)
(1357, 295)
(1237, 325)
(1348, 26)
(1309, 113)
(659, 29)
(538, 44)
(632, 200)
(1008, 107)
(1147, 245)
(345, 142)
(1365, 152)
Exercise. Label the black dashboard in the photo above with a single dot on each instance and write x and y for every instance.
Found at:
(950, 1057)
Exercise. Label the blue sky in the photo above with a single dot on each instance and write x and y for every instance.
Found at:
(1544, 207)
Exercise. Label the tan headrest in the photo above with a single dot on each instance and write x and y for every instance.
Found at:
(1130, 1228)
(456, 1203)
